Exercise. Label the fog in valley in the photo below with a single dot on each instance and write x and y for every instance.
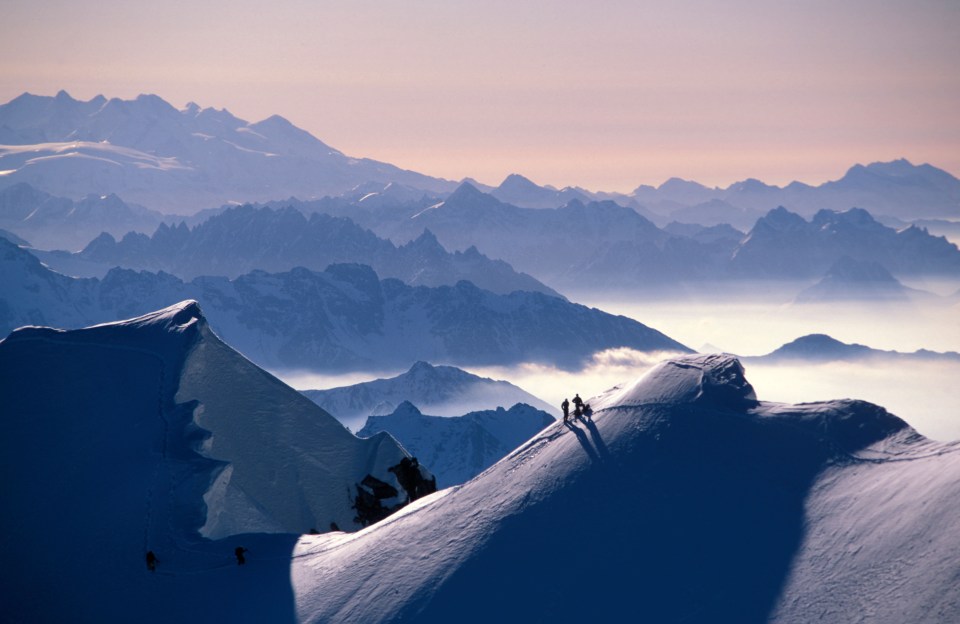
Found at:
(754, 321)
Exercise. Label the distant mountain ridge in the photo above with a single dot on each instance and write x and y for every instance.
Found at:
(439, 390)
(175, 161)
(459, 448)
(182, 161)
(344, 318)
(824, 348)
(851, 280)
(51, 222)
(892, 189)
(602, 245)
(243, 239)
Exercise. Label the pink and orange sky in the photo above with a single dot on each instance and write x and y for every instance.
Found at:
(605, 95)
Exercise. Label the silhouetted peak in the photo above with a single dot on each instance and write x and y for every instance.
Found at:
(781, 219)
(406, 409)
(466, 191)
(853, 216)
(751, 185)
(517, 182)
(426, 241)
(421, 367)
(680, 184)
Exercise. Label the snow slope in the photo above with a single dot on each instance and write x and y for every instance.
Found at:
(459, 448)
(152, 434)
(684, 500)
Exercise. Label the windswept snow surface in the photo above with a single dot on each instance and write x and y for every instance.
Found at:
(684, 499)
(151, 434)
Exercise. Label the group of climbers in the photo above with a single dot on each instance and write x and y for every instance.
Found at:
(580, 409)
(238, 552)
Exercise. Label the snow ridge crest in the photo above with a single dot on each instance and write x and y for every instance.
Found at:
(715, 379)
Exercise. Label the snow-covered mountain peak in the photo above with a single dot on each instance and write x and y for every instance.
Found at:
(714, 379)
(466, 192)
(406, 410)
(175, 318)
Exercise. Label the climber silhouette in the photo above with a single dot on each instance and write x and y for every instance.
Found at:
(238, 551)
(151, 561)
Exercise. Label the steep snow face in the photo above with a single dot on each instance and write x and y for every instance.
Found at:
(684, 499)
(287, 463)
(714, 379)
(151, 434)
(459, 448)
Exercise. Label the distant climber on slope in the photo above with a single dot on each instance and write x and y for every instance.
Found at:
(587, 411)
(565, 406)
(238, 551)
(151, 561)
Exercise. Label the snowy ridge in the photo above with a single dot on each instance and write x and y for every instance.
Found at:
(687, 501)
(152, 434)
(684, 499)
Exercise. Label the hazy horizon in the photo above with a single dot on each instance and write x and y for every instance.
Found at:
(562, 93)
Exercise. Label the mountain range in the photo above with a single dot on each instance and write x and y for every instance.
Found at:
(343, 318)
(440, 390)
(823, 348)
(459, 448)
(181, 161)
(175, 161)
(50, 222)
(851, 280)
(243, 239)
(601, 245)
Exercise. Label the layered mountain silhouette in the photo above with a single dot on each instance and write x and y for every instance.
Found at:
(852, 280)
(343, 318)
(244, 238)
(51, 222)
(824, 348)
(440, 390)
(601, 245)
(181, 161)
